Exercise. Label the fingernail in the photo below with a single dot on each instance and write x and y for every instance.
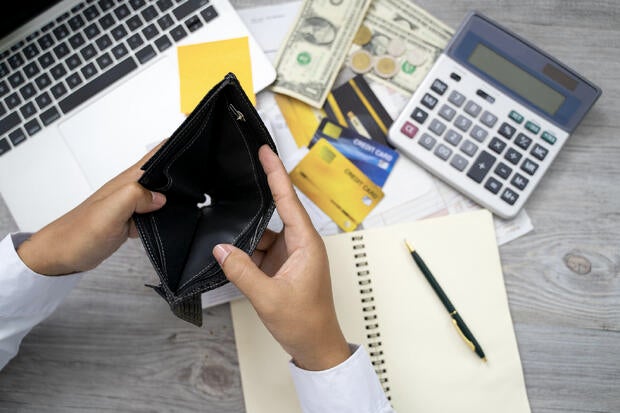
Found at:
(158, 198)
(220, 252)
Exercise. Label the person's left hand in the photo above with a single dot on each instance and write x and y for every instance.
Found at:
(91, 232)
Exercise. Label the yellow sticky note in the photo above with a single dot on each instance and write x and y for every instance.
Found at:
(203, 65)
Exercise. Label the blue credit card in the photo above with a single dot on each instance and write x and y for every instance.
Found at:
(374, 159)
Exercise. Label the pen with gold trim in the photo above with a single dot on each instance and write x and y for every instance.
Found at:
(458, 322)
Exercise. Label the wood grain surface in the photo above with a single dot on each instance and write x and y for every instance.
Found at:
(114, 345)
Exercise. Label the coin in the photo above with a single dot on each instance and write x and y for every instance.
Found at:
(362, 36)
(386, 66)
(361, 61)
(415, 56)
(396, 47)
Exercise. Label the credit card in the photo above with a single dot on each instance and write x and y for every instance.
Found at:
(374, 159)
(336, 185)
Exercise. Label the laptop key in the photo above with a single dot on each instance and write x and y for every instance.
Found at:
(60, 51)
(119, 51)
(46, 41)
(178, 33)
(97, 84)
(193, 23)
(4, 146)
(91, 31)
(163, 43)
(58, 71)
(91, 13)
(145, 54)
(135, 41)
(17, 136)
(165, 22)
(118, 32)
(12, 101)
(106, 21)
(16, 79)
(58, 90)
(149, 13)
(9, 122)
(28, 110)
(74, 80)
(43, 100)
(122, 12)
(31, 51)
(50, 115)
(104, 60)
(46, 60)
(31, 69)
(105, 4)
(187, 8)
(32, 127)
(61, 32)
(150, 31)
(164, 4)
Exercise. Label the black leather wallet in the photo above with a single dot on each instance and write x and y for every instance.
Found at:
(212, 155)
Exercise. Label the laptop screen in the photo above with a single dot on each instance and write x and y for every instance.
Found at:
(27, 10)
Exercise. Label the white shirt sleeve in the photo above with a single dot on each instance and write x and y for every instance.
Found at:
(350, 387)
(26, 298)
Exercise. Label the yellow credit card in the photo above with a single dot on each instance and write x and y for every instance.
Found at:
(336, 185)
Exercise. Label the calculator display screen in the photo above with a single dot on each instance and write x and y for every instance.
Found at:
(516, 79)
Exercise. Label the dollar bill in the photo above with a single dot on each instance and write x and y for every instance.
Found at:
(411, 72)
(413, 19)
(310, 58)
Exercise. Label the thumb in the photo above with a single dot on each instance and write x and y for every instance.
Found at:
(133, 198)
(241, 270)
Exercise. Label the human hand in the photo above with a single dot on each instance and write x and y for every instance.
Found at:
(88, 234)
(287, 279)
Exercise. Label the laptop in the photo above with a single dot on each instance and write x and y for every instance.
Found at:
(88, 87)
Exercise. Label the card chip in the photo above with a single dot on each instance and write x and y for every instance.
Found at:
(327, 155)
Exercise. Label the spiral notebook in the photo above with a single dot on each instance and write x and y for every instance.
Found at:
(384, 302)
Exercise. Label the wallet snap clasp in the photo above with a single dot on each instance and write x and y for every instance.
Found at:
(236, 112)
(206, 203)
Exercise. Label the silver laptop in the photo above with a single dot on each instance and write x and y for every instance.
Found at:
(88, 87)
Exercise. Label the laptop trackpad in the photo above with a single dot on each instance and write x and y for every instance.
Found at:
(115, 130)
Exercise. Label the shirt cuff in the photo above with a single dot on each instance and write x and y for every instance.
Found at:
(24, 292)
(351, 386)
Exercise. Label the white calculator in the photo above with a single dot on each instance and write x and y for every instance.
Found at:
(492, 114)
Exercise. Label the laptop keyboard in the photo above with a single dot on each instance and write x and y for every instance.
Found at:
(56, 68)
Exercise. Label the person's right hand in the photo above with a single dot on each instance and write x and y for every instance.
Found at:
(287, 279)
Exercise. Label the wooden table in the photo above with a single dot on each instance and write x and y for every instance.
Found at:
(114, 344)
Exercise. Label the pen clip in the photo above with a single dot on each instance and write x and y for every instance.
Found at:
(467, 341)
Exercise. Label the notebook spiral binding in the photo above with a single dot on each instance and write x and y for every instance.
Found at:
(371, 321)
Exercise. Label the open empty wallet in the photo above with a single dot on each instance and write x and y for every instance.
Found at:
(216, 192)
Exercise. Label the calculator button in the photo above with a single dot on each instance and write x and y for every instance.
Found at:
(452, 137)
(409, 129)
(456, 98)
(506, 130)
(519, 181)
(512, 156)
(516, 116)
(509, 196)
(462, 123)
(522, 141)
(478, 133)
(503, 170)
(549, 137)
(497, 145)
(532, 127)
(539, 152)
(427, 141)
(437, 127)
(458, 162)
(493, 185)
(439, 87)
(419, 115)
(472, 108)
(443, 152)
(447, 112)
(481, 166)
(454, 76)
(469, 148)
(529, 166)
(484, 95)
(429, 101)
(488, 119)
